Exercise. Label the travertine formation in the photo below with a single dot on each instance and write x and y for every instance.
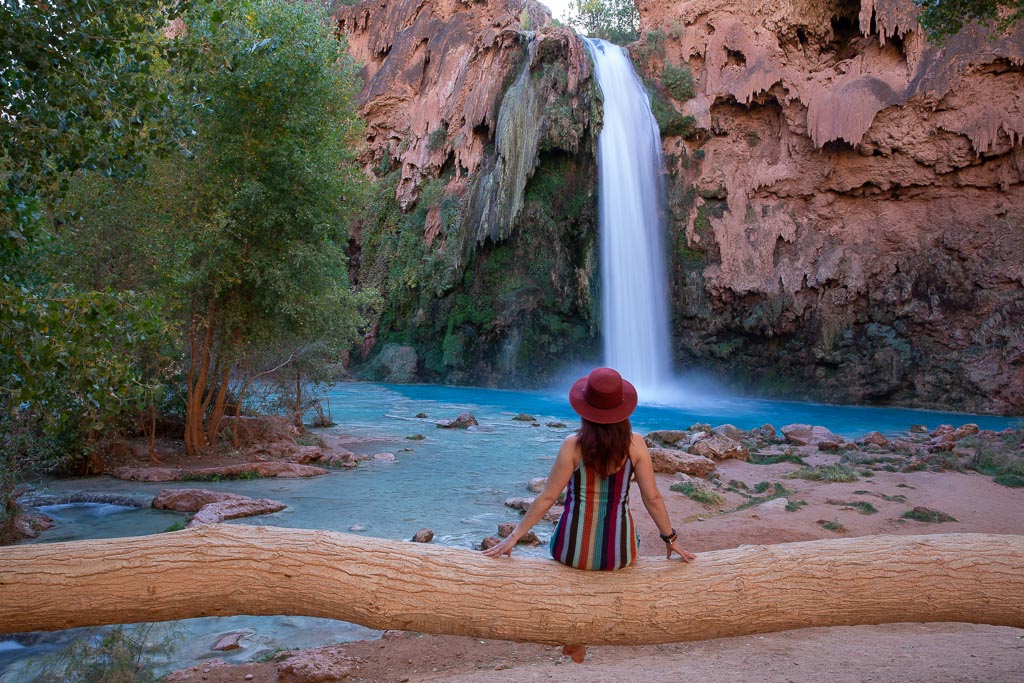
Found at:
(845, 203)
(848, 212)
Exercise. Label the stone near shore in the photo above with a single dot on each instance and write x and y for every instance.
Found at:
(670, 461)
(506, 528)
(729, 431)
(519, 503)
(719, 447)
(318, 665)
(875, 439)
(31, 524)
(214, 513)
(384, 457)
(424, 535)
(536, 485)
(665, 437)
(229, 641)
(190, 500)
(463, 421)
(489, 542)
(808, 435)
(524, 417)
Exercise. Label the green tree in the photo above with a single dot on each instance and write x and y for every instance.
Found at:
(82, 85)
(274, 180)
(942, 19)
(617, 21)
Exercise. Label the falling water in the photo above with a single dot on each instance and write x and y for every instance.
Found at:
(632, 210)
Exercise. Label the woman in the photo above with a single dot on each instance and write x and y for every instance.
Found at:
(596, 529)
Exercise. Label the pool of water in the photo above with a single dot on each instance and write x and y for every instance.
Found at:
(452, 481)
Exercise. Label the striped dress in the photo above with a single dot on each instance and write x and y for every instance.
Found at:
(596, 529)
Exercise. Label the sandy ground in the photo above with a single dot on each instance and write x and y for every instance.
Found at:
(894, 652)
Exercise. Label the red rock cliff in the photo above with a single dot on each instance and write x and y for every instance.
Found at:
(848, 208)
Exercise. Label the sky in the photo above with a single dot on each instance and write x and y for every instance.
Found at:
(559, 8)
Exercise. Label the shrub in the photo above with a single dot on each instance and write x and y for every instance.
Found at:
(698, 493)
(923, 514)
(437, 139)
(861, 506)
(826, 473)
(678, 82)
(833, 525)
(794, 505)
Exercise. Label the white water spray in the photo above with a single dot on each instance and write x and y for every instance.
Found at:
(632, 225)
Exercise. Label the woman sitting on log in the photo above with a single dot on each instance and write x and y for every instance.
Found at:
(596, 530)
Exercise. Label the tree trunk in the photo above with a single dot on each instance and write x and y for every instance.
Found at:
(221, 570)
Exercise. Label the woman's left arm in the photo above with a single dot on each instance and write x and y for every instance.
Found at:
(561, 471)
(653, 501)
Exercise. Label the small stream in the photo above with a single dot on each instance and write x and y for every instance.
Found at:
(453, 481)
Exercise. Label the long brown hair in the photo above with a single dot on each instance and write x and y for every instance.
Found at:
(604, 445)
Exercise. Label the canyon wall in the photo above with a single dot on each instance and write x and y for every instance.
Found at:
(846, 200)
(482, 119)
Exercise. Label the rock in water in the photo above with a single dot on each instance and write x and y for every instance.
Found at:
(463, 421)
(423, 536)
(506, 528)
(229, 641)
(489, 542)
(523, 417)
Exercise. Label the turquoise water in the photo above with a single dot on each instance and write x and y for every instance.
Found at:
(453, 481)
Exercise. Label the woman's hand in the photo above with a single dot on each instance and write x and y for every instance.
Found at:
(673, 547)
(503, 548)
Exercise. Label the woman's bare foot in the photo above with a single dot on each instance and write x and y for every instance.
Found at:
(577, 652)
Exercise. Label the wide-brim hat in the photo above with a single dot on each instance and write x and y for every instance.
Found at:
(603, 397)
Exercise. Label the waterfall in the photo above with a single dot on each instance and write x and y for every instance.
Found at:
(634, 287)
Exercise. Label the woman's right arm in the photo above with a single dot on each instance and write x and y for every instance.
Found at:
(653, 501)
(561, 472)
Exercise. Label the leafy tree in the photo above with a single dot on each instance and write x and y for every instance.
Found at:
(617, 21)
(82, 85)
(274, 179)
(942, 19)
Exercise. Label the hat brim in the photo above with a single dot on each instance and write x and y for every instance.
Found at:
(604, 416)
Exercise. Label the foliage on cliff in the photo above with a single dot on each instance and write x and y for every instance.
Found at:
(942, 19)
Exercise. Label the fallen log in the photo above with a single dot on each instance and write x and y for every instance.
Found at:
(222, 570)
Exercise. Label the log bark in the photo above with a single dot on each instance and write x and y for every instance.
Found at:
(221, 570)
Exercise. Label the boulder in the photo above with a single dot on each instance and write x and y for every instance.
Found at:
(942, 430)
(918, 429)
(191, 500)
(338, 458)
(519, 503)
(536, 485)
(489, 542)
(807, 435)
(772, 506)
(506, 528)
(529, 538)
(553, 514)
(524, 417)
(969, 429)
(384, 457)
(31, 524)
(557, 425)
(875, 439)
(423, 536)
(315, 666)
(719, 447)
(729, 431)
(665, 437)
(670, 461)
(767, 431)
(241, 506)
(463, 421)
(229, 641)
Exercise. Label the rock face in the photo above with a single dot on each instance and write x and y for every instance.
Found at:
(847, 204)
(481, 123)
(845, 200)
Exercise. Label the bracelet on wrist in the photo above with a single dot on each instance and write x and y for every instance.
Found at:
(670, 537)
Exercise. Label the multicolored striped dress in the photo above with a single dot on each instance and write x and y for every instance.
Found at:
(596, 529)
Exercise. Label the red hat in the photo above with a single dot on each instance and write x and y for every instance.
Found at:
(603, 397)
